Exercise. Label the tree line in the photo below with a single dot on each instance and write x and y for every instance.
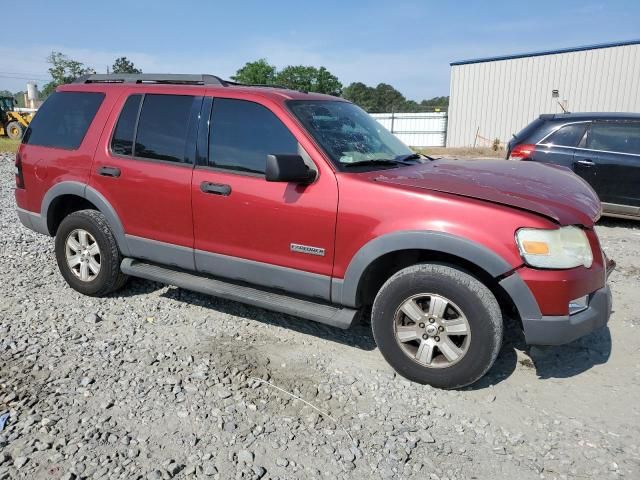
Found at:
(379, 99)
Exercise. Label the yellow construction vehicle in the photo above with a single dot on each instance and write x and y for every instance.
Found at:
(12, 123)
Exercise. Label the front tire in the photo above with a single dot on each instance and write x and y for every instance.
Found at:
(437, 325)
(87, 254)
(14, 130)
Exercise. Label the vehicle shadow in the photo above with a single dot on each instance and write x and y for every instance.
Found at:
(549, 362)
(618, 222)
(358, 336)
(562, 361)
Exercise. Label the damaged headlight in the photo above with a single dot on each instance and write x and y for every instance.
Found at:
(566, 247)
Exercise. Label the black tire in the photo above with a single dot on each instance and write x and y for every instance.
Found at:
(473, 298)
(109, 278)
(14, 130)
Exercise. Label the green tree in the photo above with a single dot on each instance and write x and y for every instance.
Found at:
(309, 79)
(388, 99)
(256, 73)
(385, 98)
(124, 65)
(442, 102)
(362, 95)
(63, 70)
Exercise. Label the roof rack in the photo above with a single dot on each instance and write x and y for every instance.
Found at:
(171, 78)
(261, 85)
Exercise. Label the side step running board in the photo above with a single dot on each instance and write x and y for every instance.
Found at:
(318, 312)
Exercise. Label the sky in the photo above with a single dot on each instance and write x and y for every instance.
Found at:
(408, 44)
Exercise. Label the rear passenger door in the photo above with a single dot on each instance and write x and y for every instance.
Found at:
(274, 234)
(609, 159)
(144, 171)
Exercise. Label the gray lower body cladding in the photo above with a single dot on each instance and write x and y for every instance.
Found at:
(318, 312)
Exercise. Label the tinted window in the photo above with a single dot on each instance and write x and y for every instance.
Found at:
(244, 133)
(567, 136)
(63, 120)
(614, 137)
(122, 142)
(163, 126)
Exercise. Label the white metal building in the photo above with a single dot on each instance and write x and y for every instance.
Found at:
(496, 97)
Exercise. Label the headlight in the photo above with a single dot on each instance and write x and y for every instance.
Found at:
(566, 247)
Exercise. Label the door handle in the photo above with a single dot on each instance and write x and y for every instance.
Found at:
(109, 172)
(215, 188)
(586, 163)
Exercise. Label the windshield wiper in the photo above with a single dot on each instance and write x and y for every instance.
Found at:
(367, 163)
(413, 156)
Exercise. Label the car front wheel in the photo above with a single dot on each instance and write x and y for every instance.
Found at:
(437, 325)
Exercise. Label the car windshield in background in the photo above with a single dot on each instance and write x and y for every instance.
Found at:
(349, 135)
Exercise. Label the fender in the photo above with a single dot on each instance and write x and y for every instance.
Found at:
(93, 196)
(344, 291)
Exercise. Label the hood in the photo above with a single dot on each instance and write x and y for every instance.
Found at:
(549, 190)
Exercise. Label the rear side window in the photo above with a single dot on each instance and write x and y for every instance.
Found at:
(122, 141)
(243, 134)
(614, 137)
(567, 136)
(63, 120)
(163, 126)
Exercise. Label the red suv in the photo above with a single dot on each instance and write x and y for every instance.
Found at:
(302, 203)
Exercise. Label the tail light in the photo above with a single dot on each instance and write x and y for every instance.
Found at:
(19, 175)
(522, 151)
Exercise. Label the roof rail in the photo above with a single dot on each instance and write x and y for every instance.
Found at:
(261, 85)
(172, 78)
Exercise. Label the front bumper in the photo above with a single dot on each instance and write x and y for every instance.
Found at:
(558, 330)
(542, 329)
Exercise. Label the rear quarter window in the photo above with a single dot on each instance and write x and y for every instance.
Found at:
(63, 120)
(567, 136)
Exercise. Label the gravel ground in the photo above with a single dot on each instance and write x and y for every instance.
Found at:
(157, 382)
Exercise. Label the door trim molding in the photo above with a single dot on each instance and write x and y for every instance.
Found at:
(264, 274)
(291, 280)
(161, 252)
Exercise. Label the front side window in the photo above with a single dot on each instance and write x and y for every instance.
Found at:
(163, 126)
(63, 120)
(567, 136)
(614, 137)
(347, 133)
(243, 133)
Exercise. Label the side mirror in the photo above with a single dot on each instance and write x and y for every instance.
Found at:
(288, 168)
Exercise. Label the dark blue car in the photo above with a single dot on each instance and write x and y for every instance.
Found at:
(603, 148)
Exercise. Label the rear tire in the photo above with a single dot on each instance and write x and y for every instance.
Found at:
(87, 254)
(452, 333)
(14, 130)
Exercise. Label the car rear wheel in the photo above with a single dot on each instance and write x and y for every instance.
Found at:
(87, 254)
(437, 325)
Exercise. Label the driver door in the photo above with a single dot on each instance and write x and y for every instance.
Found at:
(247, 228)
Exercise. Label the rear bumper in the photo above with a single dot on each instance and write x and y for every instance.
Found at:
(556, 330)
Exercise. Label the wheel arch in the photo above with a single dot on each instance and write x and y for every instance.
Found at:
(380, 258)
(82, 196)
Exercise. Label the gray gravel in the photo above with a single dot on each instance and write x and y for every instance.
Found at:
(156, 382)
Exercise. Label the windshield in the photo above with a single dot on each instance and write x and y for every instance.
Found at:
(348, 134)
(6, 103)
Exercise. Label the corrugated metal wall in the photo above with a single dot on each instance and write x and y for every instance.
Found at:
(416, 129)
(497, 98)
